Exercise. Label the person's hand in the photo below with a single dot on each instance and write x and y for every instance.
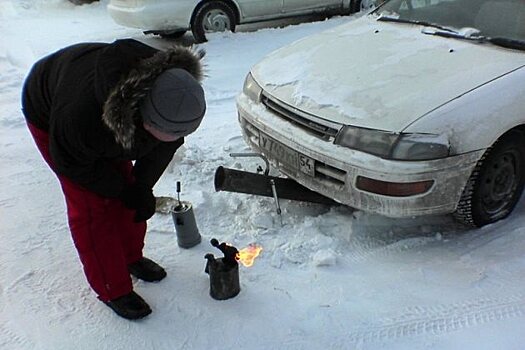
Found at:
(139, 197)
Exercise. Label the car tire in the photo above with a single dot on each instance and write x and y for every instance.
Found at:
(213, 16)
(496, 184)
(172, 35)
(363, 5)
(82, 2)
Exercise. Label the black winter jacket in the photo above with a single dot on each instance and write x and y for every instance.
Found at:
(73, 95)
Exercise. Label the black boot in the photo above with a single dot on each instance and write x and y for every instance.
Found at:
(130, 306)
(147, 270)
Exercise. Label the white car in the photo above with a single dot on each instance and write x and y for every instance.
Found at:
(172, 18)
(417, 108)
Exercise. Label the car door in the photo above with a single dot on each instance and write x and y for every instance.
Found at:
(291, 6)
(257, 9)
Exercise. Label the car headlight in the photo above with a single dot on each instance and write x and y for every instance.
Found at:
(252, 89)
(397, 146)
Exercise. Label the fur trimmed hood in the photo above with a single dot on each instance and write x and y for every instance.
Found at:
(121, 108)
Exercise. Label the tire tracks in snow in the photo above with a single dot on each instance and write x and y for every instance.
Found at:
(378, 248)
(8, 338)
(499, 277)
(12, 340)
(439, 319)
(382, 237)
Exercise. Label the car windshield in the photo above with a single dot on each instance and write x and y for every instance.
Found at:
(496, 19)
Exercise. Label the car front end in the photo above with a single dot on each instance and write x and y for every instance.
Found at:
(355, 178)
(376, 115)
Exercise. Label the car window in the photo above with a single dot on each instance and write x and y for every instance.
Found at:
(492, 18)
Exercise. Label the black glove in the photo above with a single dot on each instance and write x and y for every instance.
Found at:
(139, 197)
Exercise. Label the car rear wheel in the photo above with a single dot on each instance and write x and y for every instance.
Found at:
(496, 183)
(82, 2)
(172, 34)
(213, 16)
(363, 5)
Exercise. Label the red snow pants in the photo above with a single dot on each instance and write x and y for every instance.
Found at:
(103, 231)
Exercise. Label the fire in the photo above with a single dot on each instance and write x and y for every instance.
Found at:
(247, 255)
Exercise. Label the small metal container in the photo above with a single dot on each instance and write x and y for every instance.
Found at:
(185, 225)
(224, 278)
(224, 272)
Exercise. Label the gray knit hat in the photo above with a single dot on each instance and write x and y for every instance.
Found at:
(175, 104)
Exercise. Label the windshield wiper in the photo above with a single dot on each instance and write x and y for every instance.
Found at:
(499, 41)
(455, 35)
(507, 43)
(421, 23)
(451, 33)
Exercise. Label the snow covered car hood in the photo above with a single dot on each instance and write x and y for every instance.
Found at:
(379, 75)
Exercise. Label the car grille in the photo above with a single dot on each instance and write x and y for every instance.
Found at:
(326, 131)
(330, 174)
(326, 174)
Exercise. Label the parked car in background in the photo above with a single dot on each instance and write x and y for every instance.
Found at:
(416, 109)
(173, 18)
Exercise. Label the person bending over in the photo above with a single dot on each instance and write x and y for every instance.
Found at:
(93, 108)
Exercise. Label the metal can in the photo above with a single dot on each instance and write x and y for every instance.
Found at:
(185, 225)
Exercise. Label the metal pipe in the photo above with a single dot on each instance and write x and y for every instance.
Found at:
(239, 181)
(276, 199)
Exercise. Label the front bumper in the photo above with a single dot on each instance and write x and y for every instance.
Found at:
(337, 168)
(161, 15)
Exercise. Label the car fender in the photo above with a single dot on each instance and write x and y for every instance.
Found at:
(158, 16)
(237, 9)
(477, 118)
(234, 3)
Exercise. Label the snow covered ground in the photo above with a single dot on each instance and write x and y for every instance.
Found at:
(328, 278)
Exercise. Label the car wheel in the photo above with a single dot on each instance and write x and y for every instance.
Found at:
(214, 16)
(82, 2)
(172, 35)
(496, 183)
(363, 5)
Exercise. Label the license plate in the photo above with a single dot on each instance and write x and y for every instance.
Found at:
(286, 155)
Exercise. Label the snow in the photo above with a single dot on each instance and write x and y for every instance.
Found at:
(327, 278)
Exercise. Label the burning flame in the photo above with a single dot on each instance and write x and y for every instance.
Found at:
(247, 255)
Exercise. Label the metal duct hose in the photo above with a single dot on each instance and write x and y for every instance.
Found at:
(232, 180)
